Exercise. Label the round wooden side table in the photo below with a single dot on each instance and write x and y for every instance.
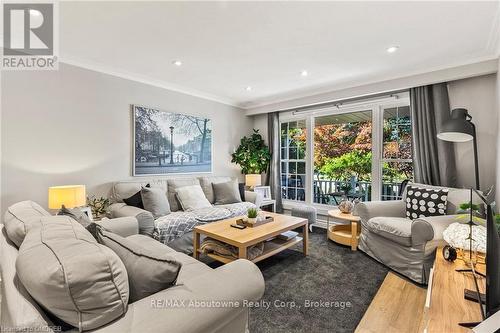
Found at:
(345, 234)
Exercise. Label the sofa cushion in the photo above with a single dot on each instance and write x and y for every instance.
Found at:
(155, 201)
(149, 269)
(19, 217)
(396, 229)
(206, 185)
(173, 185)
(126, 189)
(423, 202)
(69, 274)
(192, 198)
(226, 193)
(136, 199)
(76, 214)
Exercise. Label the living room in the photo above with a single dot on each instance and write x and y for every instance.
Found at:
(225, 166)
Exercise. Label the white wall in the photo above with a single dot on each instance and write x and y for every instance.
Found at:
(479, 95)
(73, 126)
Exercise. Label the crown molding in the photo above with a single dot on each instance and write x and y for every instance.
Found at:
(482, 66)
(93, 66)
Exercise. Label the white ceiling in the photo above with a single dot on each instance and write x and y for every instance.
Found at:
(227, 46)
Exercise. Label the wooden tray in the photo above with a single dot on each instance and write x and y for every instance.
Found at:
(256, 224)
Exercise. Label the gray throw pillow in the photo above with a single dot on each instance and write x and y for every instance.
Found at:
(76, 214)
(226, 193)
(149, 271)
(155, 201)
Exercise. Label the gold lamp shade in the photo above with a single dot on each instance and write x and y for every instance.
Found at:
(70, 196)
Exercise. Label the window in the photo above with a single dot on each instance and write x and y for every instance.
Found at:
(361, 151)
(293, 160)
(397, 164)
(342, 157)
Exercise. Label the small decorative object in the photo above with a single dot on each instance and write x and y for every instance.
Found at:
(346, 206)
(169, 142)
(252, 215)
(449, 253)
(467, 240)
(99, 206)
(253, 157)
(264, 190)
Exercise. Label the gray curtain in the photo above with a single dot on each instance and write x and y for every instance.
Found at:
(273, 175)
(433, 159)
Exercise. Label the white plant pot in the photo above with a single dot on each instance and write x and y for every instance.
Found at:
(251, 220)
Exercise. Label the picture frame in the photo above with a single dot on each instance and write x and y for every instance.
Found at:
(87, 211)
(167, 142)
(265, 191)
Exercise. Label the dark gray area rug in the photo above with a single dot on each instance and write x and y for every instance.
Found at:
(332, 273)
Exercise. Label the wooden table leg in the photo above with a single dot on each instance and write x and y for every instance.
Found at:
(196, 244)
(354, 236)
(305, 239)
(242, 252)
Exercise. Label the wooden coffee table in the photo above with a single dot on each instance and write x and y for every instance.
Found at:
(244, 238)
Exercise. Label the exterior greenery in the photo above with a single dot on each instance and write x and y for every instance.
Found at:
(252, 155)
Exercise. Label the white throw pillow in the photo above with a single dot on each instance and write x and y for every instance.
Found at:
(192, 197)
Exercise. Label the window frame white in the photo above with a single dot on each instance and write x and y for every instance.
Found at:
(377, 108)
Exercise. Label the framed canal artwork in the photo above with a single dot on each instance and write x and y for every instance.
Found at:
(170, 143)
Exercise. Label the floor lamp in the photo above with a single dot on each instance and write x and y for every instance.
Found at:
(460, 128)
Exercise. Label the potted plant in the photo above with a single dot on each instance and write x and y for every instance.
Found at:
(252, 215)
(99, 206)
(253, 156)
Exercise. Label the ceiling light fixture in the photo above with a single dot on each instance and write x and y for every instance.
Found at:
(34, 12)
(248, 88)
(304, 73)
(177, 63)
(392, 49)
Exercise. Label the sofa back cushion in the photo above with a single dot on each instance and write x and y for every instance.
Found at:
(126, 189)
(206, 185)
(69, 274)
(149, 270)
(192, 198)
(173, 185)
(20, 217)
(456, 196)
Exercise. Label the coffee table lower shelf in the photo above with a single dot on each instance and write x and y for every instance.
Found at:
(271, 247)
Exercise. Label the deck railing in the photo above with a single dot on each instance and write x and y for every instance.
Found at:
(330, 191)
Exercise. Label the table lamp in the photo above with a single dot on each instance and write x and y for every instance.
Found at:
(252, 180)
(69, 196)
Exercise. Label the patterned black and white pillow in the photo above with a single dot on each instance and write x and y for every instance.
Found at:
(424, 202)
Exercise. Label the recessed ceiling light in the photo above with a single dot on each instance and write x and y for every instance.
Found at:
(304, 73)
(177, 63)
(248, 88)
(392, 49)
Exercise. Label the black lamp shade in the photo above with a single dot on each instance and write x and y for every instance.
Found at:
(458, 128)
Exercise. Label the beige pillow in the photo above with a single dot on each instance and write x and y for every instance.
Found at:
(68, 273)
(20, 217)
(155, 201)
(173, 185)
(192, 198)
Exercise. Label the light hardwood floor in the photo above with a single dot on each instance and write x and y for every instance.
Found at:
(398, 307)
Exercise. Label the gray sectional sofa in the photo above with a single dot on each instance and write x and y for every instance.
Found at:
(176, 227)
(63, 281)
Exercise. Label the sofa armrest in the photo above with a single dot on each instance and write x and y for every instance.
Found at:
(425, 229)
(123, 226)
(144, 218)
(369, 209)
(178, 309)
(253, 197)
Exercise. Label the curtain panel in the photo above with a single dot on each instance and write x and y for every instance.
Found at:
(274, 173)
(433, 159)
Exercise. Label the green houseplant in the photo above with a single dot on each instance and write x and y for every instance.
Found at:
(252, 155)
